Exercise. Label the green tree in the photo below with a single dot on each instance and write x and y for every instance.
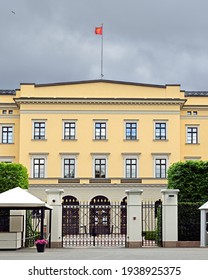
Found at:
(191, 178)
(13, 175)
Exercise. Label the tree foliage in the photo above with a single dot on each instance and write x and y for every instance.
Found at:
(13, 175)
(191, 178)
(188, 221)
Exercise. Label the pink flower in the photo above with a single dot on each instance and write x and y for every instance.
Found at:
(41, 241)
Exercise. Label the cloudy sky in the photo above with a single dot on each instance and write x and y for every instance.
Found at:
(145, 41)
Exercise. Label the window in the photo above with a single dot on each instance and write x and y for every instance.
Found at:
(39, 168)
(100, 168)
(189, 113)
(39, 130)
(100, 131)
(7, 134)
(4, 112)
(131, 130)
(69, 130)
(131, 168)
(160, 131)
(10, 112)
(192, 135)
(130, 165)
(160, 167)
(7, 159)
(4, 220)
(69, 168)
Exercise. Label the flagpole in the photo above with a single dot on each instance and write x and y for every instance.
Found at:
(99, 31)
(102, 75)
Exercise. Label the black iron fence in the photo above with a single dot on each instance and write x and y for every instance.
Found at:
(101, 224)
(152, 223)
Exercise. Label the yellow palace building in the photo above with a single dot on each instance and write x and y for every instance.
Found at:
(99, 138)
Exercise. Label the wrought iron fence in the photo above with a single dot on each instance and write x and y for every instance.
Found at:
(93, 224)
(152, 223)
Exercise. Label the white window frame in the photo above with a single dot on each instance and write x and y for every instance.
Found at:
(1, 132)
(137, 129)
(63, 129)
(160, 156)
(38, 156)
(100, 156)
(195, 158)
(6, 159)
(33, 129)
(198, 135)
(130, 156)
(166, 130)
(106, 129)
(69, 156)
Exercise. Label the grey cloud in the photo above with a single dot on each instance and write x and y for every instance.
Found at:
(149, 41)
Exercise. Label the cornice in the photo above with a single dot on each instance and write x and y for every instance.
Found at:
(102, 101)
(7, 104)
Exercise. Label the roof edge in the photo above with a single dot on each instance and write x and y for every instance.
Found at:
(98, 81)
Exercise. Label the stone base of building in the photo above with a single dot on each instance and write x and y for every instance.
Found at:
(170, 244)
(133, 244)
(56, 245)
(188, 244)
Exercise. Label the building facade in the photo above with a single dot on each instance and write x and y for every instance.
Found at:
(96, 139)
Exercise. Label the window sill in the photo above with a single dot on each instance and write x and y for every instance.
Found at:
(103, 140)
(160, 140)
(131, 140)
(68, 140)
(7, 143)
(38, 139)
(192, 143)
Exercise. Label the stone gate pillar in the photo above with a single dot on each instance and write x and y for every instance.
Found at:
(204, 225)
(170, 217)
(54, 198)
(134, 218)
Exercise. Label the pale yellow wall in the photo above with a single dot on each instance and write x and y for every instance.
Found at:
(85, 144)
(100, 90)
(85, 113)
(10, 150)
(200, 120)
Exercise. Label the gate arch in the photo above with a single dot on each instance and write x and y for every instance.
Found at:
(99, 215)
(70, 215)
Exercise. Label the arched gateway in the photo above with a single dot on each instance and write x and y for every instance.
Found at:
(97, 223)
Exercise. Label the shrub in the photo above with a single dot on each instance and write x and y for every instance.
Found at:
(191, 178)
(13, 175)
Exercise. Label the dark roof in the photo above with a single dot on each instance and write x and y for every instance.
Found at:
(7, 92)
(196, 93)
(97, 81)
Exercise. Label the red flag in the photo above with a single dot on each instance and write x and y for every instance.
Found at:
(99, 30)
